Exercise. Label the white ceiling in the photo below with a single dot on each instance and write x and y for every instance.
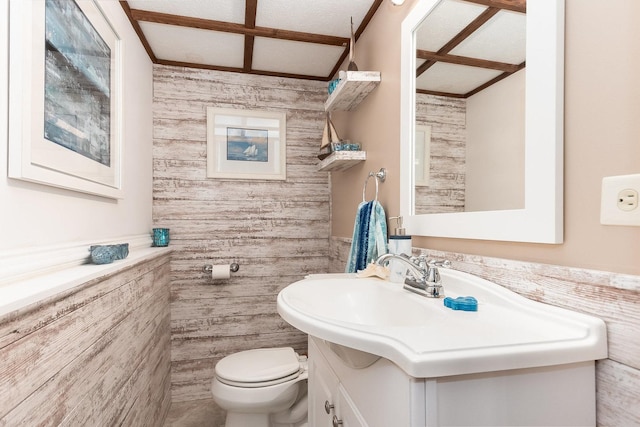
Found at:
(326, 22)
(309, 38)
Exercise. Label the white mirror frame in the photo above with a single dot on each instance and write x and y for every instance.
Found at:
(541, 221)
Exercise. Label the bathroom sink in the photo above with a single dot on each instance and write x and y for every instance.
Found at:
(356, 302)
(427, 339)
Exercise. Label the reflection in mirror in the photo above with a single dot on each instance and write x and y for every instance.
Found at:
(470, 90)
(422, 156)
(480, 104)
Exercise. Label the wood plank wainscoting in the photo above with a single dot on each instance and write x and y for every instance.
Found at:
(276, 230)
(97, 355)
(615, 298)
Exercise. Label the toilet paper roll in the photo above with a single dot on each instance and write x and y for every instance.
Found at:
(219, 272)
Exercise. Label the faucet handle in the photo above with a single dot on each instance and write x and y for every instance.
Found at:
(433, 275)
(439, 263)
(420, 261)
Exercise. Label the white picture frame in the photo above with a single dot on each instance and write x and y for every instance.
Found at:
(246, 144)
(65, 106)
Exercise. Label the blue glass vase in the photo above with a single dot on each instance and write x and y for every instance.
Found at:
(161, 237)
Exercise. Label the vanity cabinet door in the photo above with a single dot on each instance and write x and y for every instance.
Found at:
(346, 411)
(323, 386)
(329, 402)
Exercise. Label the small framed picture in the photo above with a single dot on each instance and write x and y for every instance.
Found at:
(246, 144)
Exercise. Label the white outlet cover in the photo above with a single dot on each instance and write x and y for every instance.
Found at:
(610, 213)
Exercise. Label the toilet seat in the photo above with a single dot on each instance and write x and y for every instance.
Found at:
(259, 367)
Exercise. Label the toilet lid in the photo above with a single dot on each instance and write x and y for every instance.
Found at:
(270, 365)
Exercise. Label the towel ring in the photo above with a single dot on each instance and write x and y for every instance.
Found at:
(381, 175)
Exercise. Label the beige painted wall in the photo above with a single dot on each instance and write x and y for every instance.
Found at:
(602, 135)
(495, 146)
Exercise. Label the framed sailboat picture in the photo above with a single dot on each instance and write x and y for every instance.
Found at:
(246, 144)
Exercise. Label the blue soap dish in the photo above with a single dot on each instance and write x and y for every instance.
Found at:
(462, 303)
(106, 254)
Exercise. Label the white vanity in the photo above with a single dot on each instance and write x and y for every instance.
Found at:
(383, 356)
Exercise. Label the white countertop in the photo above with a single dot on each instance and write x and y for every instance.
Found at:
(427, 339)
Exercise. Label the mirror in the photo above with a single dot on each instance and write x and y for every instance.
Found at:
(470, 81)
(526, 206)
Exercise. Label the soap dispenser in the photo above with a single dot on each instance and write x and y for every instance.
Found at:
(399, 243)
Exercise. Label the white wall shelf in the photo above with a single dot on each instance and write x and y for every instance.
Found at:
(352, 89)
(354, 86)
(341, 160)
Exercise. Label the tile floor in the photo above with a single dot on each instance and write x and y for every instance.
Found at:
(197, 413)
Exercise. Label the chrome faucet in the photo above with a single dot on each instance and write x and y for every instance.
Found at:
(423, 276)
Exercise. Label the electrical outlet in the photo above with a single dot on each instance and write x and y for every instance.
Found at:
(627, 200)
(619, 203)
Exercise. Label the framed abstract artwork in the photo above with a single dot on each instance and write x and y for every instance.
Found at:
(64, 96)
(246, 144)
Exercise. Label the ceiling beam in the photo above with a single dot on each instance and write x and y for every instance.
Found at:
(463, 60)
(138, 30)
(492, 81)
(230, 27)
(238, 70)
(438, 93)
(513, 5)
(250, 10)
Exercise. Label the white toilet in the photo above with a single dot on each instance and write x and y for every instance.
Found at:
(262, 388)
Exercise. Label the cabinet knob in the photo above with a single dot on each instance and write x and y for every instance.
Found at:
(336, 421)
(328, 407)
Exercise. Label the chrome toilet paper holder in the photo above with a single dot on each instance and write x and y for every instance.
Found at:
(233, 267)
